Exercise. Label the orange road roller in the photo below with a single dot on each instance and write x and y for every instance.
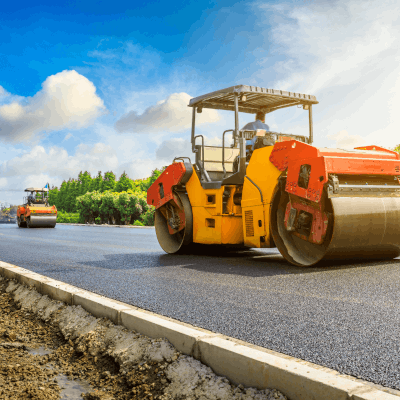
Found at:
(271, 189)
(36, 211)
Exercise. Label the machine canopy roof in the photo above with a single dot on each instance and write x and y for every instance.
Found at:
(256, 99)
(36, 190)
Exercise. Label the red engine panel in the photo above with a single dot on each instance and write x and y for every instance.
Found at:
(292, 155)
(161, 191)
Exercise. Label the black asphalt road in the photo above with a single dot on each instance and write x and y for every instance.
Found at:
(343, 316)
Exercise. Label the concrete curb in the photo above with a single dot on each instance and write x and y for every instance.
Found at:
(240, 362)
(107, 226)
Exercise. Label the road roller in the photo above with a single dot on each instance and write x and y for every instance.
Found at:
(268, 189)
(36, 211)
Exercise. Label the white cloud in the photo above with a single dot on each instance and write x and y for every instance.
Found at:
(171, 114)
(141, 167)
(346, 141)
(68, 136)
(3, 92)
(3, 182)
(347, 53)
(67, 100)
(172, 148)
(56, 163)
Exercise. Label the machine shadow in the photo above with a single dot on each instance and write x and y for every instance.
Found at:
(220, 260)
(258, 263)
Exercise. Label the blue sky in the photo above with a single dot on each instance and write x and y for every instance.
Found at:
(104, 85)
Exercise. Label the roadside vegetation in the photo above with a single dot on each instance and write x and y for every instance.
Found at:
(104, 200)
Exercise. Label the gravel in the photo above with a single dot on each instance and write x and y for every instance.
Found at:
(342, 316)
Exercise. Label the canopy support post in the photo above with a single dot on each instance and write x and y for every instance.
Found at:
(193, 129)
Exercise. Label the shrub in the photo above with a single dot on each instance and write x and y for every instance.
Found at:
(68, 218)
(115, 208)
(148, 217)
(138, 223)
(88, 206)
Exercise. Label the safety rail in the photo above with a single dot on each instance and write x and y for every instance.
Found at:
(201, 166)
(223, 149)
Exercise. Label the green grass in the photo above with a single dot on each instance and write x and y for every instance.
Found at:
(68, 218)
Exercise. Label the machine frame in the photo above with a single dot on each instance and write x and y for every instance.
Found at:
(247, 99)
(311, 203)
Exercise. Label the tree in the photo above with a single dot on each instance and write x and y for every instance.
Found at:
(148, 217)
(124, 183)
(96, 183)
(53, 196)
(62, 196)
(108, 182)
(85, 181)
(108, 209)
(154, 175)
(72, 194)
(88, 206)
(397, 148)
(146, 183)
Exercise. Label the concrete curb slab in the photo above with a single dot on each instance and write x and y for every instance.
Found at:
(99, 306)
(59, 291)
(181, 337)
(240, 362)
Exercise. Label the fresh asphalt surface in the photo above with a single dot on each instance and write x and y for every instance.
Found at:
(343, 316)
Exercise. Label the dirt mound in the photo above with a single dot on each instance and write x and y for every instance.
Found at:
(115, 362)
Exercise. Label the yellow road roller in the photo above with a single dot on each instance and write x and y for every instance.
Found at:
(273, 189)
(36, 211)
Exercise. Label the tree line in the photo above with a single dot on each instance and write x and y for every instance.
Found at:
(103, 199)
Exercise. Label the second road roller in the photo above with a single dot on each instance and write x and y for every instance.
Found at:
(272, 189)
(36, 211)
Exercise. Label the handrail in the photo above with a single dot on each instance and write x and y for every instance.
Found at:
(262, 198)
(182, 158)
(202, 169)
(223, 150)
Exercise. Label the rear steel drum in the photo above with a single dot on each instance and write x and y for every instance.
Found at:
(42, 221)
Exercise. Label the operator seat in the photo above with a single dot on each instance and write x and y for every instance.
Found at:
(257, 142)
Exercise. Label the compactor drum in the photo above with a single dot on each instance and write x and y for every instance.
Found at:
(271, 189)
(36, 211)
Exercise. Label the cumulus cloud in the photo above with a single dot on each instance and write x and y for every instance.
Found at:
(347, 53)
(141, 167)
(56, 163)
(173, 148)
(3, 182)
(67, 100)
(345, 141)
(3, 92)
(171, 114)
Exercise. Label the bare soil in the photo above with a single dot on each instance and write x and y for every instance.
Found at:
(26, 375)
